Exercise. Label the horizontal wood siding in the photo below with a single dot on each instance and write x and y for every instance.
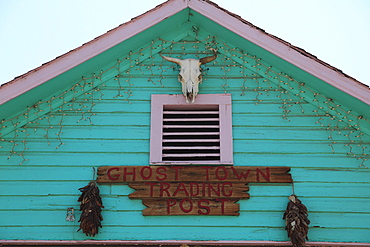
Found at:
(34, 196)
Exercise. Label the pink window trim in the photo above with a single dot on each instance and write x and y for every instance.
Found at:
(226, 140)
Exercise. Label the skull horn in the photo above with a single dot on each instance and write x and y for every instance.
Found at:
(208, 59)
(173, 60)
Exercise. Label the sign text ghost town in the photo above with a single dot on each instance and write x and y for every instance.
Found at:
(191, 190)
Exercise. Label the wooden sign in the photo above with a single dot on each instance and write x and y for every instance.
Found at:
(191, 190)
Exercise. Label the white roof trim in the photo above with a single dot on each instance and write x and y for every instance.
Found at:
(83, 53)
(282, 50)
(72, 59)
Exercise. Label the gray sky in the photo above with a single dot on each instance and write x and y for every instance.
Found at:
(33, 32)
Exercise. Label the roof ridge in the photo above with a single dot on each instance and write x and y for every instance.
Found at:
(300, 50)
(167, 9)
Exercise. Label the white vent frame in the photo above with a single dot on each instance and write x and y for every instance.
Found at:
(203, 101)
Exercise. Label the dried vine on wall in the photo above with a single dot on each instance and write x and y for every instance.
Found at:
(255, 77)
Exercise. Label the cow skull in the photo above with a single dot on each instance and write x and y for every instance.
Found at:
(190, 74)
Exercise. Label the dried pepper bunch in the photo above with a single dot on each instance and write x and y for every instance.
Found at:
(296, 220)
(90, 205)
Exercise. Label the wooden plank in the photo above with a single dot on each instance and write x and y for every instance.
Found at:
(136, 118)
(48, 188)
(193, 233)
(190, 207)
(146, 89)
(123, 203)
(345, 220)
(246, 174)
(189, 189)
(91, 146)
(168, 174)
(318, 160)
(62, 202)
(143, 106)
(143, 232)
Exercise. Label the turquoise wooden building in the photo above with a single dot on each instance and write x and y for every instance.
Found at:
(108, 106)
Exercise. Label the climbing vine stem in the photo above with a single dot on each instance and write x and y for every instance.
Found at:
(233, 70)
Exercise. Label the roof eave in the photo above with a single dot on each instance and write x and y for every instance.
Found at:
(69, 60)
(303, 60)
(234, 23)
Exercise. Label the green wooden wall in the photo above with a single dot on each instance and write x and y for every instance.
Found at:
(104, 119)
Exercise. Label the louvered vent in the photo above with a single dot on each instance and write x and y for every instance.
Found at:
(191, 135)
